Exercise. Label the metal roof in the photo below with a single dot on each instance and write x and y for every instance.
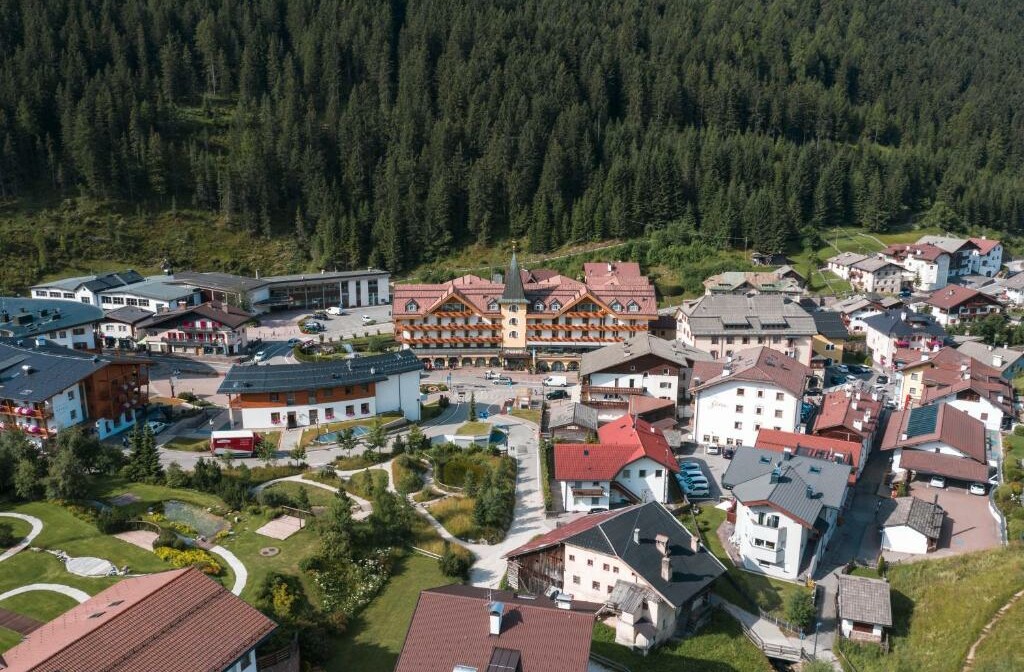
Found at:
(95, 283)
(160, 287)
(638, 346)
(26, 318)
(225, 282)
(322, 276)
(513, 291)
(51, 369)
(318, 375)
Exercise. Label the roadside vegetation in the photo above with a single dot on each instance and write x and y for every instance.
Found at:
(486, 483)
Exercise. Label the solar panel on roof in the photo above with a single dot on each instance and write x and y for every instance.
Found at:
(923, 420)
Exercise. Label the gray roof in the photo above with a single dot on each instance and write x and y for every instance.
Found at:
(945, 243)
(986, 354)
(917, 514)
(26, 318)
(762, 314)
(627, 596)
(691, 572)
(1015, 281)
(873, 264)
(847, 258)
(318, 375)
(323, 275)
(95, 283)
(514, 291)
(802, 488)
(224, 282)
(830, 324)
(128, 314)
(637, 346)
(893, 323)
(160, 287)
(864, 600)
(52, 369)
(573, 414)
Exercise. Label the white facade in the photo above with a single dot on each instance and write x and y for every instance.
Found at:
(113, 299)
(987, 264)
(720, 347)
(904, 539)
(81, 295)
(982, 409)
(654, 385)
(927, 275)
(59, 411)
(772, 543)
(82, 337)
(884, 280)
(731, 412)
(574, 501)
(644, 477)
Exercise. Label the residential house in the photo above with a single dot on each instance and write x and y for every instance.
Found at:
(848, 415)
(927, 266)
(66, 323)
(938, 440)
(1013, 289)
(461, 628)
(45, 388)
(86, 288)
(969, 256)
(866, 273)
(208, 329)
(722, 324)
(757, 387)
(631, 462)
(118, 328)
(665, 325)
(856, 308)
(755, 282)
(174, 621)
(887, 332)
(618, 377)
(1008, 361)
(864, 608)
(538, 316)
(640, 562)
(910, 525)
(949, 376)
(786, 509)
(954, 304)
(840, 451)
(154, 294)
(304, 395)
(572, 422)
(829, 342)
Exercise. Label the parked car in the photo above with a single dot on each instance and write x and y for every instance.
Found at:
(555, 381)
(557, 394)
(691, 481)
(713, 449)
(156, 426)
(502, 380)
(489, 374)
(335, 310)
(937, 482)
(842, 368)
(368, 320)
(978, 489)
(260, 356)
(728, 453)
(690, 466)
(698, 493)
(852, 378)
(321, 315)
(292, 342)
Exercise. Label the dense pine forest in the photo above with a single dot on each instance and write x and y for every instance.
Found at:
(391, 133)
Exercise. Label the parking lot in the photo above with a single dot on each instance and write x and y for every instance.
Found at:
(276, 329)
(713, 467)
(969, 523)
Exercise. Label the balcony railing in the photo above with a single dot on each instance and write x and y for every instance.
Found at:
(25, 411)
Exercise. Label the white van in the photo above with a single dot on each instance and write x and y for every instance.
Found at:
(335, 310)
(555, 381)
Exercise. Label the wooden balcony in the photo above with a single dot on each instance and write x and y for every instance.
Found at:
(25, 411)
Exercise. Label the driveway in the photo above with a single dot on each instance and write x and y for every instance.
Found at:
(969, 524)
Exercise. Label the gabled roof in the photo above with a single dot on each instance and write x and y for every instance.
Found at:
(954, 296)
(847, 258)
(904, 324)
(639, 346)
(985, 245)
(936, 422)
(917, 514)
(450, 630)
(159, 287)
(864, 600)
(926, 462)
(830, 324)
(949, 372)
(946, 243)
(27, 318)
(317, 375)
(621, 442)
(51, 369)
(923, 251)
(226, 314)
(127, 315)
(758, 281)
(987, 354)
(802, 487)
(94, 283)
(174, 621)
(874, 264)
(841, 408)
(759, 364)
(807, 445)
(573, 414)
(761, 314)
(611, 534)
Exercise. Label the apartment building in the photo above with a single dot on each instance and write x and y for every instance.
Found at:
(969, 256)
(782, 281)
(868, 273)
(1008, 361)
(954, 304)
(896, 330)
(212, 328)
(927, 266)
(63, 322)
(153, 294)
(722, 324)
(531, 318)
(85, 288)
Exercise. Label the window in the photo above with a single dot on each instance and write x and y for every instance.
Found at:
(737, 425)
(104, 299)
(764, 543)
(71, 395)
(665, 385)
(913, 390)
(625, 473)
(596, 585)
(779, 396)
(74, 414)
(311, 397)
(492, 306)
(609, 590)
(829, 347)
(290, 399)
(556, 306)
(915, 376)
(740, 392)
(633, 307)
(778, 413)
(729, 340)
(275, 396)
(642, 473)
(63, 334)
(590, 562)
(513, 334)
(760, 394)
(759, 411)
(118, 300)
(513, 320)
(615, 570)
(576, 580)
(411, 307)
(984, 416)
(144, 302)
(594, 501)
(658, 473)
(714, 340)
(364, 408)
(275, 418)
(55, 295)
(739, 408)
(606, 567)
(539, 306)
(329, 413)
(572, 557)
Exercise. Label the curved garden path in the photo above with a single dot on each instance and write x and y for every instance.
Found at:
(969, 662)
(74, 593)
(37, 527)
(241, 573)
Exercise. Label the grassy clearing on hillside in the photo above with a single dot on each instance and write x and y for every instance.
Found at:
(939, 608)
(1003, 649)
(456, 515)
(317, 496)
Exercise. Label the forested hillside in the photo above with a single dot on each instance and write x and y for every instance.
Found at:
(391, 132)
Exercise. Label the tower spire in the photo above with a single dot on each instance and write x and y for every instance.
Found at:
(514, 292)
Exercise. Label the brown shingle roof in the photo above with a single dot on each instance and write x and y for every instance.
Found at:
(864, 600)
(759, 364)
(451, 626)
(176, 621)
(936, 422)
(226, 314)
(952, 296)
(950, 466)
(841, 408)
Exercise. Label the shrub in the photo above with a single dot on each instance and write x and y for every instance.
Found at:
(111, 520)
(193, 557)
(1018, 430)
(364, 483)
(168, 538)
(7, 535)
(275, 498)
(455, 562)
(190, 397)
(176, 477)
(881, 566)
(800, 608)
(406, 472)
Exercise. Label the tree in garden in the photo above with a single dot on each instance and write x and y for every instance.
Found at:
(297, 454)
(337, 530)
(206, 475)
(398, 446)
(265, 450)
(67, 478)
(391, 519)
(417, 441)
(302, 500)
(347, 440)
(144, 459)
(472, 407)
(375, 440)
(800, 609)
(27, 474)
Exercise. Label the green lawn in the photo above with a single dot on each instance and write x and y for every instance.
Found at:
(310, 433)
(41, 605)
(476, 428)
(430, 411)
(375, 637)
(188, 444)
(719, 647)
(19, 527)
(531, 414)
(317, 496)
(767, 593)
(8, 638)
(1013, 447)
(1003, 649)
(939, 608)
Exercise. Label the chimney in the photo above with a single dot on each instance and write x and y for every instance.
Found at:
(496, 610)
(787, 453)
(636, 535)
(997, 361)
(666, 569)
(694, 544)
(853, 405)
(776, 473)
(903, 437)
(858, 425)
(661, 541)
(611, 267)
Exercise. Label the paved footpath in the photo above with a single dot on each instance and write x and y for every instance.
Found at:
(74, 593)
(37, 527)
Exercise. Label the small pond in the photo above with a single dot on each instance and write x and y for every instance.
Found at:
(200, 520)
(358, 432)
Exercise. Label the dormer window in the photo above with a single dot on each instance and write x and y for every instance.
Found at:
(556, 306)
(492, 306)
(633, 307)
(411, 307)
(539, 306)
(616, 306)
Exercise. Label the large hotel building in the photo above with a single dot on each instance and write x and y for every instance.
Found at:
(535, 315)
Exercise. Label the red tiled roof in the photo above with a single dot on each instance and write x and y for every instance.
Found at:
(953, 427)
(812, 446)
(560, 534)
(641, 403)
(622, 442)
(758, 364)
(949, 372)
(451, 626)
(985, 245)
(175, 621)
(837, 411)
(953, 296)
(925, 251)
(950, 466)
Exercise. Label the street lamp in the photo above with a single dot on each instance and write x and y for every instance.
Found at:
(816, 627)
